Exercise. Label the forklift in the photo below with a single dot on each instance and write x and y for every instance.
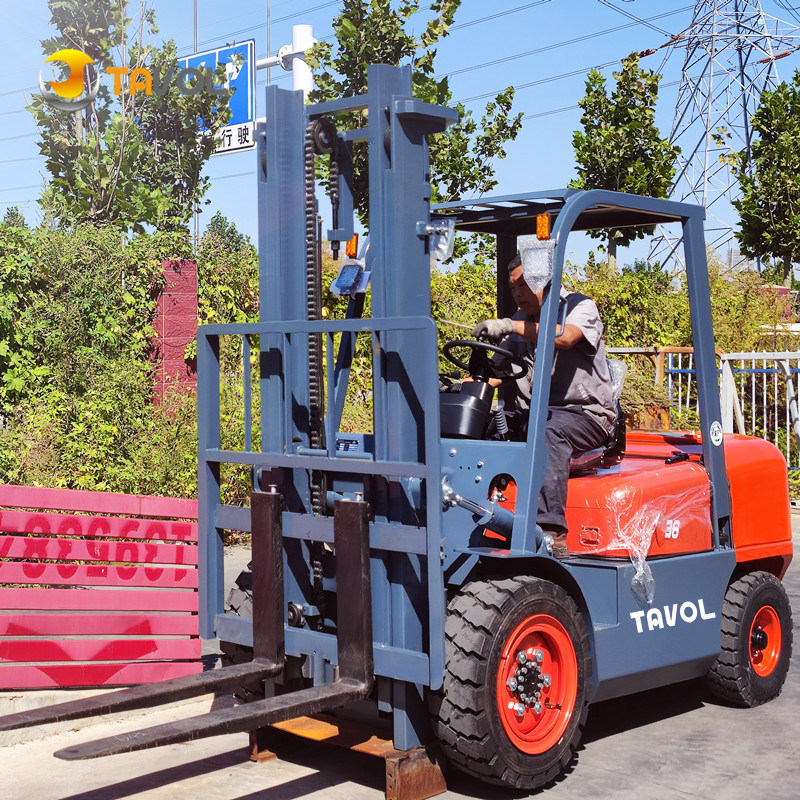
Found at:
(398, 574)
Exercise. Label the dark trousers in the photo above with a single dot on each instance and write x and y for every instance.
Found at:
(568, 432)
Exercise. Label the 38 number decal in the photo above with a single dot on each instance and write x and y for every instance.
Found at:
(673, 529)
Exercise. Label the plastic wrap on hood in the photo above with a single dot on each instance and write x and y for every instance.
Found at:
(651, 525)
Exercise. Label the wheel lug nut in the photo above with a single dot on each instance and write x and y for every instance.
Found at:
(521, 657)
(546, 680)
(537, 708)
(512, 684)
(538, 655)
(520, 709)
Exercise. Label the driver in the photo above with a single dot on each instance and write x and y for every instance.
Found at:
(581, 409)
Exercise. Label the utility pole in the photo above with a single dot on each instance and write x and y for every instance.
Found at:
(269, 44)
(196, 212)
(292, 58)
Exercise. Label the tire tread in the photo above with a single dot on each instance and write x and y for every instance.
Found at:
(459, 716)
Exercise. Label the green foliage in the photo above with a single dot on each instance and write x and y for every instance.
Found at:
(769, 177)
(76, 387)
(466, 295)
(14, 218)
(227, 274)
(226, 233)
(96, 157)
(76, 383)
(620, 147)
(376, 31)
(639, 306)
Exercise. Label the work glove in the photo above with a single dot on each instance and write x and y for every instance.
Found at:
(493, 329)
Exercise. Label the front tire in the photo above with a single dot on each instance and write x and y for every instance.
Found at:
(506, 640)
(756, 641)
(240, 603)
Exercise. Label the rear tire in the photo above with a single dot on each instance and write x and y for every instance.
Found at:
(476, 715)
(756, 641)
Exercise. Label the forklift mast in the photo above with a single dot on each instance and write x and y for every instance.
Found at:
(403, 451)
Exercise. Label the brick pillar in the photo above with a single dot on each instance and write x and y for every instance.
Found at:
(175, 325)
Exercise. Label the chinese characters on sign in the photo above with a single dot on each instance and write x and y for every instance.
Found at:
(240, 75)
(236, 137)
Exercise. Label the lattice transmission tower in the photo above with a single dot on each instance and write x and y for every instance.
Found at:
(731, 50)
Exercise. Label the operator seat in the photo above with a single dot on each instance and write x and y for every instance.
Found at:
(614, 450)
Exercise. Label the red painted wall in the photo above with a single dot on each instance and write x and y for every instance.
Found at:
(176, 325)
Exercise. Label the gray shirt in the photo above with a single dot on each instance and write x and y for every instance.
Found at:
(581, 375)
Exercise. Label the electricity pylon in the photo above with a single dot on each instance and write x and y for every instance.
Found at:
(732, 48)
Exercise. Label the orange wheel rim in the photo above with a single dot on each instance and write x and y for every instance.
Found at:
(535, 723)
(765, 641)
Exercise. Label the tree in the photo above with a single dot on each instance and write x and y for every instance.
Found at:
(98, 156)
(14, 218)
(225, 233)
(620, 147)
(769, 176)
(374, 31)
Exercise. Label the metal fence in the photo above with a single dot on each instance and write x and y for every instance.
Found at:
(758, 392)
(759, 398)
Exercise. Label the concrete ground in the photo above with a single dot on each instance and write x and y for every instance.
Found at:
(668, 743)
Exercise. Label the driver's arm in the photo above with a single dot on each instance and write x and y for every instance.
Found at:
(530, 330)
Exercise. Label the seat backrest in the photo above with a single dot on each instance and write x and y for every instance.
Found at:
(614, 450)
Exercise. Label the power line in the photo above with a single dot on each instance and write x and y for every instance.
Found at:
(550, 112)
(233, 175)
(23, 89)
(17, 160)
(14, 188)
(565, 43)
(498, 14)
(540, 81)
(572, 108)
(789, 9)
(253, 28)
(634, 17)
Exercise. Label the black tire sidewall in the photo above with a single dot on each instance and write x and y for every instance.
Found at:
(767, 592)
(562, 609)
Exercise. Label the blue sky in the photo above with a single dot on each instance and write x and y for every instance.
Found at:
(545, 48)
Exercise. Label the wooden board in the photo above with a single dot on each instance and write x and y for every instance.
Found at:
(32, 599)
(99, 624)
(82, 675)
(29, 547)
(30, 650)
(97, 502)
(96, 589)
(27, 572)
(95, 527)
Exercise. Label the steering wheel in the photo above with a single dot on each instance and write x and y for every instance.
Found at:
(486, 348)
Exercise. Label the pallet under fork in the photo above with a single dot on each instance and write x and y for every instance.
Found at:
(355, 655)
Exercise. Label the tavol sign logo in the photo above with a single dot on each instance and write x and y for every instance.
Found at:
(78, 89)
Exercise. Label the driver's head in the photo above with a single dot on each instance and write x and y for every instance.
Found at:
(528, 300)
